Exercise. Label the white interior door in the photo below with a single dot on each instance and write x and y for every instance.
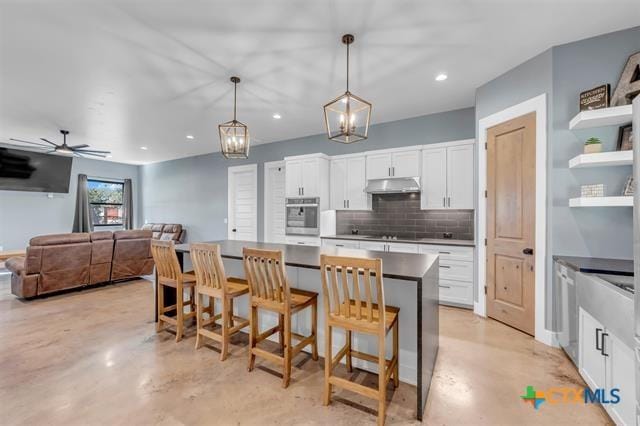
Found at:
(274, 219)
(243, 203)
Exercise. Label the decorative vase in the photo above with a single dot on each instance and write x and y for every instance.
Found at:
(592, 148)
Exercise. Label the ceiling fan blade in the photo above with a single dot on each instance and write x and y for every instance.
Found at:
(48, 141)
(83, 153)
(78, 146)
(30, 143)
(86, 151)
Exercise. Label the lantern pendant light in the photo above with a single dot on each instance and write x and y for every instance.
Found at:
(234, 135)
(347, 116)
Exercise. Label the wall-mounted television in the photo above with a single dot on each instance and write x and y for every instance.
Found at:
(22, 170)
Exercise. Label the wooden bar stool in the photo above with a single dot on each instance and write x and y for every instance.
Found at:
(212, 281)
(361, 315)
(270, 290)
(170, 275)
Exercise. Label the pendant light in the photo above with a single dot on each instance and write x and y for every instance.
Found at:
(347, 116)
(234, 135)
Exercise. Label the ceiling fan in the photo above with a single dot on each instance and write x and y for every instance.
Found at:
(77, 150)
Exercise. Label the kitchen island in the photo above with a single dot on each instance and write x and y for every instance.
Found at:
(410, 283)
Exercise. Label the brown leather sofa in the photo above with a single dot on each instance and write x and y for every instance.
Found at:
(63, 261)
(166, 231)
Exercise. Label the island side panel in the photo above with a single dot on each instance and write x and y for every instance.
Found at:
(430, 330)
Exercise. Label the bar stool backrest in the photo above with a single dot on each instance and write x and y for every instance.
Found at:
(166, 259)
(265, 272)
(352, 278)
(208, 266)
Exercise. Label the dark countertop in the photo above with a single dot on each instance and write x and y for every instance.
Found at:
(438, 241)
(403, 266)
(596, 265)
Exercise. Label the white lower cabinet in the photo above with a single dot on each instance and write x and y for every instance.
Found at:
(340, 243)
(456, 273)
(389, 247)
(303, 241)
(607, 363)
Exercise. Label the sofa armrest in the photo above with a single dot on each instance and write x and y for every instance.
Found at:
(15, 265)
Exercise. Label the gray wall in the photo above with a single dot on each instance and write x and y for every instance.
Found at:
(193, 191)
(562, 72)
(26, 214)
(579, 66)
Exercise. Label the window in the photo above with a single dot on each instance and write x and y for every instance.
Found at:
(105, 202)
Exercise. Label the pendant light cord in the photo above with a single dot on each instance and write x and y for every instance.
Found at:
(235, 91)
(348, 67)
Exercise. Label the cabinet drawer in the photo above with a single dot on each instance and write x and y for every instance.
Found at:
(340, 243)
(449, 252)
(456, 270)
(402, 247)
(307, 241)
(456, 292)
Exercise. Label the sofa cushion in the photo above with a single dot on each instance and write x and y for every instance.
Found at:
(132, 234)
(57, 239)
(101, 235)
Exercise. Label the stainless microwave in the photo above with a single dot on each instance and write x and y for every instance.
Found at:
(302, 216)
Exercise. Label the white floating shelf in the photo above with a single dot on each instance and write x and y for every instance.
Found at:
(612, 116)
(626, 201)
(602, 159)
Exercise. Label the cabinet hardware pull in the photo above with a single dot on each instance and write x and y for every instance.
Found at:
(389, 171)
(448, 201)
(444, 252)
(348, 203)
(445, 266)
(598, 348)
(303, 190)
(444, 201)
(602, 336)
(444, 286)
(300, 242)
(339, 245)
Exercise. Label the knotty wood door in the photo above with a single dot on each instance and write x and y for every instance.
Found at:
(511, 187)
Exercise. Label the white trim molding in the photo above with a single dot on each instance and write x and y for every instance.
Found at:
(267, 195)
(230, 171)
(539, 106)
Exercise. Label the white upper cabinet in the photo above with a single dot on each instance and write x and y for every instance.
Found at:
(310, 177)
(379, 165)
(434, 178)
(338, 184)
(460, 170)
(293, 178)
(306, 175)
(348, 181)
(403, 163)
(448, 176)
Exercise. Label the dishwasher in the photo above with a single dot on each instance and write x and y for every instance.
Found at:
(567, 304)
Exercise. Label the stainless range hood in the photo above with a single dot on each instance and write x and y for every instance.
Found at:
(393, 185)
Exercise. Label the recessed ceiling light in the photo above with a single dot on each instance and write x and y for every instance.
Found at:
(189, 136)
(277, 116)
(144, 148)
(441, 77)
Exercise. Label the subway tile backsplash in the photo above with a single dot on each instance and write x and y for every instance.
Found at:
(400, 214)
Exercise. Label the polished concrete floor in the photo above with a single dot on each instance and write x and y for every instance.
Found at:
(93, 357)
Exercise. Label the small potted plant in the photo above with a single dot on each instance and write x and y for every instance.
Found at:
(592, 145)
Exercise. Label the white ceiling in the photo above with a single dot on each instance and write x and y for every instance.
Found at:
(126, 74)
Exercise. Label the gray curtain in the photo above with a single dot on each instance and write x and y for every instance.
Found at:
(82, 219)
(127, 205)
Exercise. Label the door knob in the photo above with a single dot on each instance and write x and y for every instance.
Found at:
(528, 251)
(233, 230)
